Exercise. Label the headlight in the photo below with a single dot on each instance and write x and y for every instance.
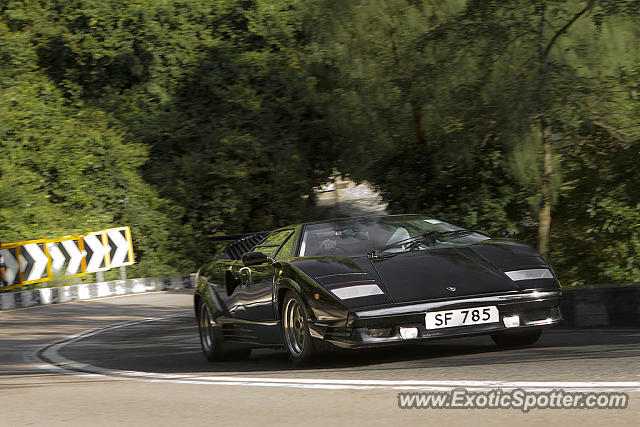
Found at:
(536, 273)
(357, 291)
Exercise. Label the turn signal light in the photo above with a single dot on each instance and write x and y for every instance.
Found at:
(408, 333)
(511, 321)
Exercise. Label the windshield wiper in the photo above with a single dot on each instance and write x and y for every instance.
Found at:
(429, 238)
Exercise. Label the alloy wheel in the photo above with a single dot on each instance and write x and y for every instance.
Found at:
(295, 328)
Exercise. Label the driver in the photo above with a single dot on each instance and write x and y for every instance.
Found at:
(328, 244)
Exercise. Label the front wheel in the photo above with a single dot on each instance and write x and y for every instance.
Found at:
(517, 338)
(295, 330)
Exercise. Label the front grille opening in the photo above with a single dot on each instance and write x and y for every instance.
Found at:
(380, 332)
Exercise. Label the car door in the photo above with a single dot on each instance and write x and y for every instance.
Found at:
(253, 299)
(214, 276)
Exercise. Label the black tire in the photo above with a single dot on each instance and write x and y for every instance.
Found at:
(295, 330)
(211, 340)
(517, 338)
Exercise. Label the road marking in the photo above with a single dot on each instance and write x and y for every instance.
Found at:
(50, 359)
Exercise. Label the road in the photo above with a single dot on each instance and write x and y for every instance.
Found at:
(152, 373)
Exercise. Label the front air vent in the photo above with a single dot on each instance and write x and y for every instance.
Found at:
(380, 332)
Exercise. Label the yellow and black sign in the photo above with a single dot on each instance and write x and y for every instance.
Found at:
(26, 262)
(108, 249)
(68, 256)
(34, 261)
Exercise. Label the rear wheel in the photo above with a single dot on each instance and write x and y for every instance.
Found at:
(211, 340)
(295, 330)
(517, 338)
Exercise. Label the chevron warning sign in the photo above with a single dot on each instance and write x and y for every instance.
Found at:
(108, 249)
(120, 247)
(35, 260)
(26, 262)
(11, 263)
(96, 246)
(68, 256)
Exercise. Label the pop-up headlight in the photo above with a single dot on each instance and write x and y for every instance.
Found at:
(536, 273)
(357, 291)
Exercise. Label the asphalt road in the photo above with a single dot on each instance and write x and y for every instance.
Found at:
(156, 375)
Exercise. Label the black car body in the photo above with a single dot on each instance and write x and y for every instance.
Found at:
(361, 282)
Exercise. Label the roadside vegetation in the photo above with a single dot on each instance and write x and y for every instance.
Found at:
(184, 119)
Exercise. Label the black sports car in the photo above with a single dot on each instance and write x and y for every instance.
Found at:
(370, 281)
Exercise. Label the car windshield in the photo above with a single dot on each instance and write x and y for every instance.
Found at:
(384, 235)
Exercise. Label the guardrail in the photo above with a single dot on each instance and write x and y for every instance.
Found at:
(87, 291)
(594, 306)
(607, 305)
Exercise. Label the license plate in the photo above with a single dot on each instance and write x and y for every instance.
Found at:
(462, 317)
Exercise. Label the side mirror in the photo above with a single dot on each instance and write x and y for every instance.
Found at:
(507, 234)
(253, 258)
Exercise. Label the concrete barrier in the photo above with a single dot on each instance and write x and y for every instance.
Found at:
(607, 305)
(589, 306)
(87, 291)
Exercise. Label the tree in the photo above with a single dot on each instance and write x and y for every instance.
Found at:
(217, 93)
(222, 116)
(66, 169)
(411, 111)
(547, 82)
(510, 94)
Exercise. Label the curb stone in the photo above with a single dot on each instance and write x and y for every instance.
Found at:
(88, 291)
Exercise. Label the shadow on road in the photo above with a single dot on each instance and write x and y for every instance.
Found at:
(172, 346)
(24, 330)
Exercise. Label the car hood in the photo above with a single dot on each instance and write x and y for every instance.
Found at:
(429, 274)
(440, 273)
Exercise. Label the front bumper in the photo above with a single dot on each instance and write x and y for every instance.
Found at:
(368, 328)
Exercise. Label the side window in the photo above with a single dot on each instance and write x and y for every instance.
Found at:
(271, 244)
(287, 249)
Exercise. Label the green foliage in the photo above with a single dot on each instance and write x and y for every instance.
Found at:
(208, 101)
(447, 98)
(188, 118)
(66, 169)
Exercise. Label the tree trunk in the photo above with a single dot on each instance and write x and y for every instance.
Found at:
(544, 215)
